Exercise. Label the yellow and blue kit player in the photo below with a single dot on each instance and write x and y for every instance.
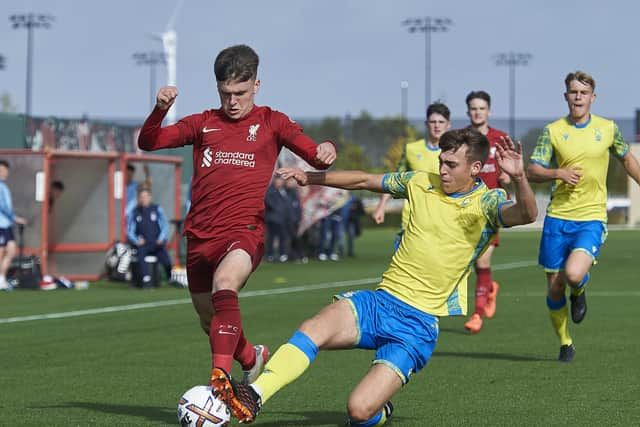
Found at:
(453, 218)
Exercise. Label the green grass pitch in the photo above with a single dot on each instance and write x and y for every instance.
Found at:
(129, 367)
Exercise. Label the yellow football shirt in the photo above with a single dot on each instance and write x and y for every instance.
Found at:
(418, 156)
(564, 144)
(445, 235)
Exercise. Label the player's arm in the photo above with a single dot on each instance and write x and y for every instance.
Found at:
(620, 149)
(163, 237)
(290, 134)
(348, 180)
(539, 169)
(524, 210)
(154, 137)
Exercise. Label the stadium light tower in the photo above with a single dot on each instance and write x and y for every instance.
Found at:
(30, 21)
(169, 40)
(512, 60)
(427, 25)
(151, 59)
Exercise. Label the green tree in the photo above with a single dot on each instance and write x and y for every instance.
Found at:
(393, 154)
(6, 104)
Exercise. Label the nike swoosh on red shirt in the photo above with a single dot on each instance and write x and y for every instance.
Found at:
(205, 130)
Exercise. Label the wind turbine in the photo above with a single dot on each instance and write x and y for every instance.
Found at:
(169, 44)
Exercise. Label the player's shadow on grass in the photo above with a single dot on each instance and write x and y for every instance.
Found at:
(149, 413)
(313, 418)
(493, 356)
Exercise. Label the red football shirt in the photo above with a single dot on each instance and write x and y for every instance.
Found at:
(491, 171)
(233, 162)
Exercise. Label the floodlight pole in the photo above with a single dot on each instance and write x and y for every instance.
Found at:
(427, 25)
(30, 21)
(512, 60)
(151, 59)
(404, 98)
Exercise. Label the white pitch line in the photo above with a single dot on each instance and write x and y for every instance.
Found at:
(247, 294)
(286, 290)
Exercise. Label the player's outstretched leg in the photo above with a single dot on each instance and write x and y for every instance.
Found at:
(579, 300)
(242, 400)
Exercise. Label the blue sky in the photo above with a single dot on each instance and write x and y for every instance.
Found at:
(328, 57)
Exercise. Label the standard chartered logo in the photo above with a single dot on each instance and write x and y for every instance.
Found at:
(206, 158)
(235, 158)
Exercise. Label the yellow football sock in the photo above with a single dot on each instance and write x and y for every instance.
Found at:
(559, 319)
(286, 364)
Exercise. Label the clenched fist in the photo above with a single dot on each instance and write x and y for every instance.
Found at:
(166, 97)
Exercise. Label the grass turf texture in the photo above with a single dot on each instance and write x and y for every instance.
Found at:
(128, 368)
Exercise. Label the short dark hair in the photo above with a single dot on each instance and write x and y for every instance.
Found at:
(477, 143)
(130, 167)
(236, 63)
(438, 108)
(58, 185)
(478, 94)
(5, 163)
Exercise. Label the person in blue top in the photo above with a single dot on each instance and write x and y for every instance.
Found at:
(132, 185)
(7, 219)
(148, 231)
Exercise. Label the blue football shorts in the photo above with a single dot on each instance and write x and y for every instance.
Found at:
(404, 337)
(6, 236)
(561, 237)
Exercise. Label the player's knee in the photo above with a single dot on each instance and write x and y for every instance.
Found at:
(574, 276)
(359, 410)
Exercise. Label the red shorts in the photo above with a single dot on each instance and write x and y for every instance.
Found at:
(204, 255)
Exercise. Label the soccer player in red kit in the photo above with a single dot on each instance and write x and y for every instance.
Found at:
(479, 110)
(235, 149)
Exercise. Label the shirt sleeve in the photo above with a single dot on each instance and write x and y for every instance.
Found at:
(492, 203)
(619, 148)
(155, 137)
(6, 207)
(543, 152)
(396, 183)
(131, 228)
(290, 134)
(164, 225)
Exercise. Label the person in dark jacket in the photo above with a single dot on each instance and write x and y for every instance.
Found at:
(148, 232)
(278, 219)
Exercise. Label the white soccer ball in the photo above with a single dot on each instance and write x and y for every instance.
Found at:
(198, 407)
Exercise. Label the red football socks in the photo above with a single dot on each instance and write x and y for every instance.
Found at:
(483, 289)
(226, 328)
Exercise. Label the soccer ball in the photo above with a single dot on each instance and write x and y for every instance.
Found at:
(198, 407)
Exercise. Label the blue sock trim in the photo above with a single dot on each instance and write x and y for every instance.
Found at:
(370, 422)
(304, 343)
(556, 305)
(584, 281)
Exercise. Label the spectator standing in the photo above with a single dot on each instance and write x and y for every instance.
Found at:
(277, 216)
(7, 219)
(148, 232)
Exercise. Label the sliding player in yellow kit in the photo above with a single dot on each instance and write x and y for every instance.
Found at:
(454, 217)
